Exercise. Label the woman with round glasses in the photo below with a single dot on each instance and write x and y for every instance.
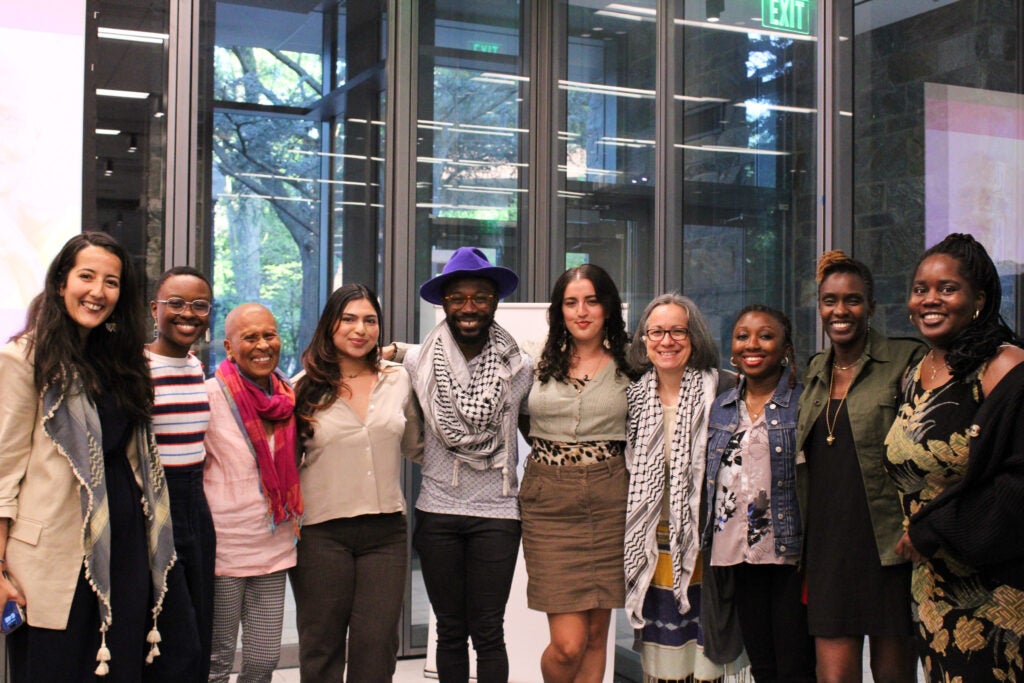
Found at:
(667, 434)
(573, 495)
(181, 412)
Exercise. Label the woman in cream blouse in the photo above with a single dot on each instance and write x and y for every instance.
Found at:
(356, 421)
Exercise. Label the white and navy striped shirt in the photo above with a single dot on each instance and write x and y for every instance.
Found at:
(181, 410)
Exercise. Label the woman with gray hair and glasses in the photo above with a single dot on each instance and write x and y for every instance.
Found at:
(665, 453)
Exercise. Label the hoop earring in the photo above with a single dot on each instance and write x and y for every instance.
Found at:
(977, 312)
(732, 361)
(785, 361)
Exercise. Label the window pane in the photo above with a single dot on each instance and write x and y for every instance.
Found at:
(606, 133)
(470, 166)
(935, 119)
(130, 131)
(266, 223)
(267, 56)
(357, 198)
(745, 151)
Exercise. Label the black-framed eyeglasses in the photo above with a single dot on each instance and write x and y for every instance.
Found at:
(479, 300)
(677, 333)
(176, 304)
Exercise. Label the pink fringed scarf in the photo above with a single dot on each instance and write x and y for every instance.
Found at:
(278, 472)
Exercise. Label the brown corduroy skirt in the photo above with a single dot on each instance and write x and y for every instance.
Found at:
(574, 520)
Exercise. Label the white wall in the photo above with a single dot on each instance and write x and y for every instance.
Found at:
(42, 51)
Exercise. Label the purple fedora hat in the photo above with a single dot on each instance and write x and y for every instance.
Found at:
(469, 262)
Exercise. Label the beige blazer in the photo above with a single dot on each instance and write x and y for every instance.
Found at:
(40, 494)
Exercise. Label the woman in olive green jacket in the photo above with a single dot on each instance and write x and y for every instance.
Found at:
(856, 584)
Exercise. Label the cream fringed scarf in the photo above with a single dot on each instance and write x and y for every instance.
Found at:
(71, 421)
(645, 453)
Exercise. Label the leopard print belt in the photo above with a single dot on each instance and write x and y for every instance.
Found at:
(561, 453)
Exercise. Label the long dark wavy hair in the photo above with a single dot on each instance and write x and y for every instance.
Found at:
(787, 333)
(980, 340)
(111, 360)
(319, 388)
(558, 349)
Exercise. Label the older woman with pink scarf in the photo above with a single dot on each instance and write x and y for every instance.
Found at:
(252, 485)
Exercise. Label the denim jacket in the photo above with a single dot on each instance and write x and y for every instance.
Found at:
(780, 414)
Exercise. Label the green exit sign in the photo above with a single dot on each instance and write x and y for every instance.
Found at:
(787, 15)
(477, 46)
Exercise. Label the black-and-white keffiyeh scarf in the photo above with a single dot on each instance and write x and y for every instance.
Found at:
(645, 456)
(472, 415)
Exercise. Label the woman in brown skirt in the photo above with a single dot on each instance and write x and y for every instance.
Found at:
(573, 495)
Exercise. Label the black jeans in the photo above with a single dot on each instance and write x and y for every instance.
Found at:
(186, 623)
(773, 620)
(468, 563)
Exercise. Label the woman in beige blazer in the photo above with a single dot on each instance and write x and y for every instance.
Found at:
(85, 531)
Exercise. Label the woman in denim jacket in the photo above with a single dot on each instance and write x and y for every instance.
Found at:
(753, 519)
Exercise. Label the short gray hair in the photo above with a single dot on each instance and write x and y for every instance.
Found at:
(704, 353)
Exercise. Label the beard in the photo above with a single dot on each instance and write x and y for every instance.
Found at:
(477, 335)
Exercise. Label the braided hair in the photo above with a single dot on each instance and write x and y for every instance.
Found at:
(981, 339)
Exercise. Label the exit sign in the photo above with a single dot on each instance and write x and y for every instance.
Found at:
(478, 46)
(787, 15)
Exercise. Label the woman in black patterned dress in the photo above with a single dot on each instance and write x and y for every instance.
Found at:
(960, 470)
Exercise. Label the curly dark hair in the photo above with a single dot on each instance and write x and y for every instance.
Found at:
(322, 382)
(787, 332)
(981, 339)
(558, 348)
(112, 359)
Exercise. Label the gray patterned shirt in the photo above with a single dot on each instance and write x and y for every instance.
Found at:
(478, 493)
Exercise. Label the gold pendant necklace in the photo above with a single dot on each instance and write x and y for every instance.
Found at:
(830, 423)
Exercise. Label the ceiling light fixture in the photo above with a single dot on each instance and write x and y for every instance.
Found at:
(132, 36)
(126, 94)
(133, 144)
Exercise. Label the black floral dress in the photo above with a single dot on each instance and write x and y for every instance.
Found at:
(967, 629)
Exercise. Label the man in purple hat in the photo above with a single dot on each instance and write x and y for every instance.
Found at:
(471, 381)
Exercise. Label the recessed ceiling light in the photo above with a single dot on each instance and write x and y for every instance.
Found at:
(107, 131)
